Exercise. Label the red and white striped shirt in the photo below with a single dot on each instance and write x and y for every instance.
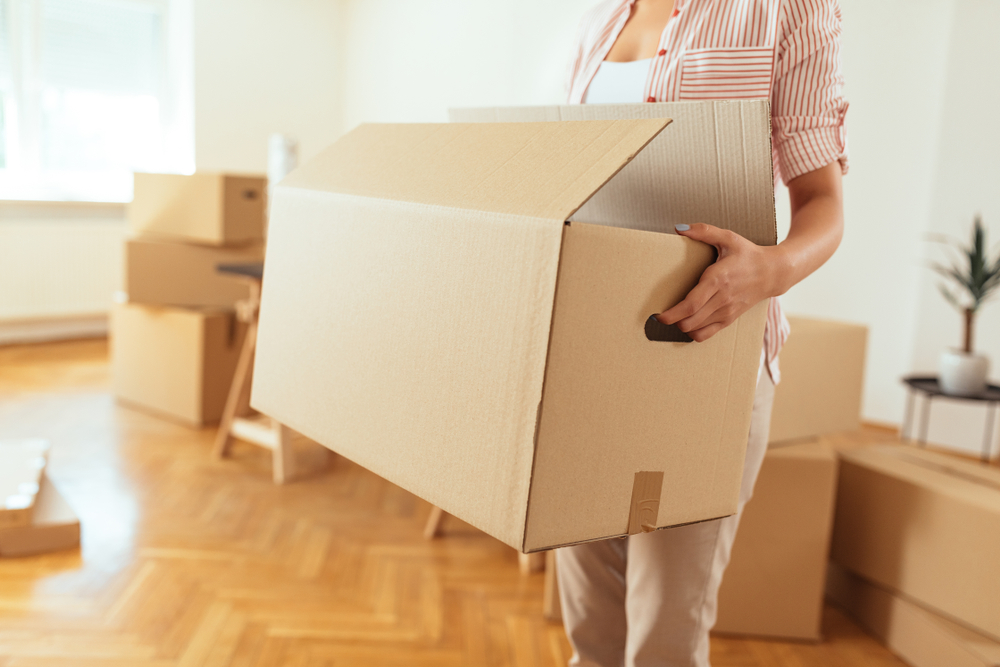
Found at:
(787, 51)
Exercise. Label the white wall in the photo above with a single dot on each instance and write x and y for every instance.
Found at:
(58, 261)
(966, 180)
(411, 60)
(894, 66)
(262, 67)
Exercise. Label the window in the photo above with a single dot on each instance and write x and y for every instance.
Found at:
(91, 90)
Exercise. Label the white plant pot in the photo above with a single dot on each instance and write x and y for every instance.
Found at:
(963, 374)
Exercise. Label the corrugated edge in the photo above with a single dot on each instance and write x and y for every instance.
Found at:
(541, 398)
(623, 164)
(770, 152)
(624, 535)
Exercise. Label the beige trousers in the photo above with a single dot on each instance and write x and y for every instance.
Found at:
(650, 599)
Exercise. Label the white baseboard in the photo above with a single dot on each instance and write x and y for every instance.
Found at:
(63, 328)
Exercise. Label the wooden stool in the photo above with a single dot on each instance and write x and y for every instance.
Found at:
(527, 563)
(239, 420)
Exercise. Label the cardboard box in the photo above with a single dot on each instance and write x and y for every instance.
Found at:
(22, 463)
(53, 527)
(773, 586)
(423, 284)
(822, 376)
(210, 208)
(164, 273)
(177, 362)
(924, 525)
(919, 637)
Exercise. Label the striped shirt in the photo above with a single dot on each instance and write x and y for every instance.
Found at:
(787, 51)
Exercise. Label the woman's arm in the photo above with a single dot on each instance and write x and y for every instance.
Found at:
(746, 274)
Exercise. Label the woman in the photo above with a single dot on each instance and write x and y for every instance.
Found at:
(651, 599)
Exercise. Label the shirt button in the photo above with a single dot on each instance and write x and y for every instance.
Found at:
(662, 52)
(676, 12)
(650, 99)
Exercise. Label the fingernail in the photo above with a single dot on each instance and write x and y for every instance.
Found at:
(682, 228)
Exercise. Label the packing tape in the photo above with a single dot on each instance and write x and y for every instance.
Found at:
(645, 505)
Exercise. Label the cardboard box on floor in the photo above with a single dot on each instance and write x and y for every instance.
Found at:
(165, 273)
(54, 526)
(209, 208)
(774, 584)
(926, 525)
(22, 463)
(918, 636)
(822, 376)
(430, 314)
(177, 362)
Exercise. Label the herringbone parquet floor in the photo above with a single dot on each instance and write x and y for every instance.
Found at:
(190, 562)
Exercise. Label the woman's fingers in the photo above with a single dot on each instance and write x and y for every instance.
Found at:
(710, 313)
(703, 334)
(710, 234)
(691, 304)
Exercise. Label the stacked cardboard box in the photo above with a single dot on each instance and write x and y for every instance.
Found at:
(34, 518)
(822, 374)
(773, 586)
(176, 340)
(921, 637)
(925, 528)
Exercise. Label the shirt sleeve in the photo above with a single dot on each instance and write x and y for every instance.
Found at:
(807, 102)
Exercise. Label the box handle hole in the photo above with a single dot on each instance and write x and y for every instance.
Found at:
(250, 194)
(664, 333)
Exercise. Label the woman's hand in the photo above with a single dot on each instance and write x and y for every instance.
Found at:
(746, 273)
(743, 275)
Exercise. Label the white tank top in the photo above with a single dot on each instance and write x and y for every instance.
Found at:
(618, 83)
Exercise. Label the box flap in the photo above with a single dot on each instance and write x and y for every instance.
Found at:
(541, 170)
(712, 165)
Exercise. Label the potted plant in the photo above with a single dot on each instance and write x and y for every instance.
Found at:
(975, 277)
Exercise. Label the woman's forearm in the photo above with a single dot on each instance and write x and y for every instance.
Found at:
(816, 229)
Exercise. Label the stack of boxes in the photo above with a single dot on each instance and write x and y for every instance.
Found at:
(775, 580)
(915, 552)
(34, 518)
(175, 338)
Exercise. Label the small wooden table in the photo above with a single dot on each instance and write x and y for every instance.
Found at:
(239, 420)
(929, 387)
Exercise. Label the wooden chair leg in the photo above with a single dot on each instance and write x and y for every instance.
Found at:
(238, 401)
(529, 563)
(551, 607)
(433, 527)
(283, 455)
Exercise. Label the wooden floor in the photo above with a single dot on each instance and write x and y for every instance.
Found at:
(187, 561)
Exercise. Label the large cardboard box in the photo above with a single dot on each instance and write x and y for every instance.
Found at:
(925, 525)
(22, 463)
(822, 376)
(210, 208)
(774, 584)
(921, 638)
(430, 313)
(54, 526)
(177, 362)
(165, 273)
